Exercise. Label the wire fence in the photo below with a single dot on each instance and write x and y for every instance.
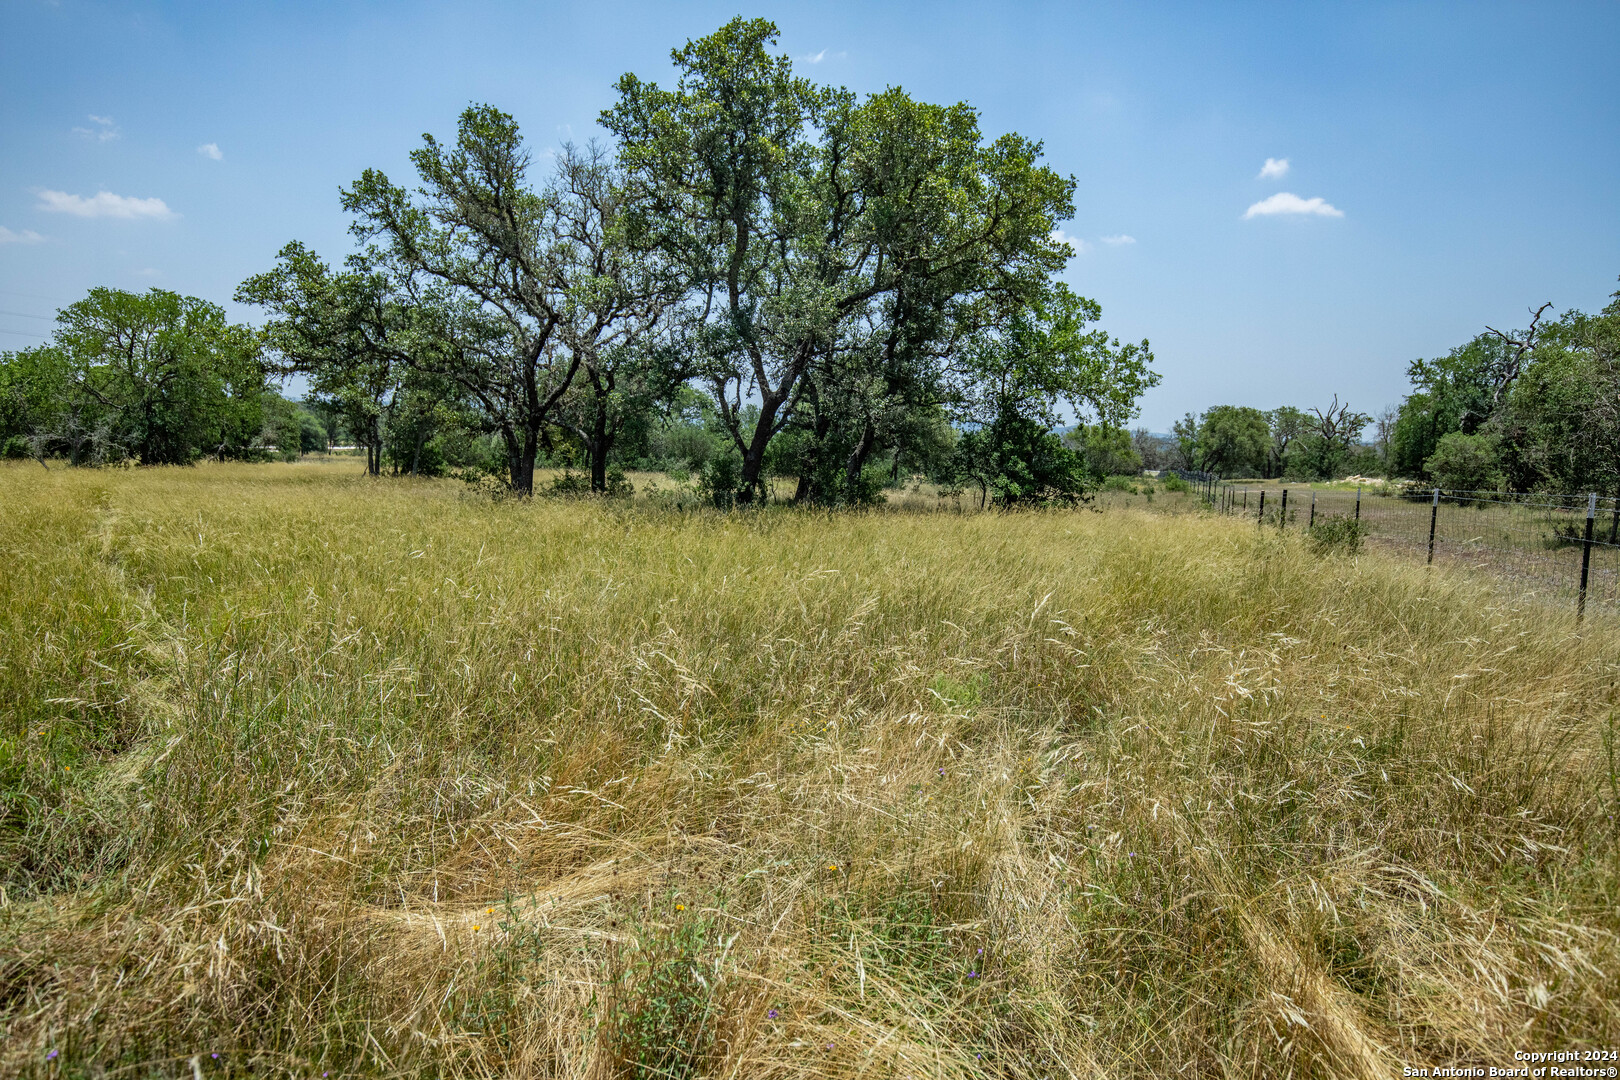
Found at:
(1563, 548)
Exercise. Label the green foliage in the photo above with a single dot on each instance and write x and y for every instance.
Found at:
(851, 244)
(963, 694)
(1173, 483)
(157, 378)
(1108, 451)
(1454, 393)
(1288, 425)
(1464, 463)
(664, 1001)
(720, 478)
(1559, 426)
(1231, 440)
(1337, 534)
(570, 484)
(1534, 409)
(1017, 462)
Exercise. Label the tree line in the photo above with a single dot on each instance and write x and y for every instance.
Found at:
(760, 276)
(1533, 409)
(1283, 443)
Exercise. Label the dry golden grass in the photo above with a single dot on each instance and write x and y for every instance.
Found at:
(322, 775)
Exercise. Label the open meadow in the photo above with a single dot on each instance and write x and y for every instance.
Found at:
(305, 774)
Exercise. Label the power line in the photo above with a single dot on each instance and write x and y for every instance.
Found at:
(25, 315)
(24, 333)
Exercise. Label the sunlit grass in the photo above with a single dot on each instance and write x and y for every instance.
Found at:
(322, 774)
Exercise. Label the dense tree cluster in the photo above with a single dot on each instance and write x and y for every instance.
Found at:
(1285, 442)
(1536, 409)
(761, 277)
(157, 379)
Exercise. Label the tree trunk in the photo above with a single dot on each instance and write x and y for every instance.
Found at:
(754, 457)
(598, 446)
(416, 455)
(521, 450)
(857, 461)
(806, 490)
(374, 458)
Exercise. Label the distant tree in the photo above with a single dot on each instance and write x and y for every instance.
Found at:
(1156, 451)
(1232, 440)
(1558, 427)
(1465, 463)
(612, 318)
(1108, 451)
(1184, 442)
(1456, 392)
(816, 231)
(1014, 382)
(479, 244)
(1288, 426)
(37, 394)
(1384, 436)
(347, 332)
(157, 376)
(1326, 444)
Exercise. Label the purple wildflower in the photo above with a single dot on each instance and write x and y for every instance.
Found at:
(50, 1055)
(772, 1015)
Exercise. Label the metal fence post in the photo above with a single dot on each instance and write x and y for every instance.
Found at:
(1282, 518)
(1312, 525)
(1260, 519)
(1614, 526)
(1434, 516)
(1586, 555)
(1358, 501)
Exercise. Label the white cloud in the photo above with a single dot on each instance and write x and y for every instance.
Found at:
(211, 151)
(150, 273)
(1286, 202)
(824, 54)
(1273, 169)
(1076, 245)
(1118, 240)
(27, 236)
(104, 204)
(104, 130)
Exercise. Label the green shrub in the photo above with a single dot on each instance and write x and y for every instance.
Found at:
(1335, 534)
(1119, 483)
(1465, 463)
(720, 478)
(1172, 482)
(570, 484)
(618, 485)
(663, 1003)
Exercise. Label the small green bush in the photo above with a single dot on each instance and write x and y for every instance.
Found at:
(664, 1003)
(1119, 483)
(618, 485)
(1172, 482)
(1336, 534)
(720, 479)
(570, 484)
(1465, 463)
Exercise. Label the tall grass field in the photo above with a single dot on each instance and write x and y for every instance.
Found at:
(305, 775)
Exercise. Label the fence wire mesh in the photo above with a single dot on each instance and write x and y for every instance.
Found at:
(1563, 548)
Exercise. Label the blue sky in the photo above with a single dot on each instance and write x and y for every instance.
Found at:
(1466, 157)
